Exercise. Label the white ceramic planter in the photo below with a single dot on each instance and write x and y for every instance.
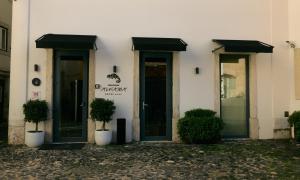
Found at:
(34, 138)
(103, 137)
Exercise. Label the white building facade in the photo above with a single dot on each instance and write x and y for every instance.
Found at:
(155, 60)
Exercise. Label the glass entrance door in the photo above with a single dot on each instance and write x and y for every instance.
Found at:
(156, 96)
(70, 96)
(234, 87)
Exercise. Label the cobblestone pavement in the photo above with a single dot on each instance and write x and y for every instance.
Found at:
(228, 160)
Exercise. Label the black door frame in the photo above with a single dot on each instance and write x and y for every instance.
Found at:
(225, 57)
(169, 94)
(80, 55)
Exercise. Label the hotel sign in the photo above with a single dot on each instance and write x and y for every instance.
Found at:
(113, 88)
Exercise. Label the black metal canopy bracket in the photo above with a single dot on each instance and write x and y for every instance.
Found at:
(218, 48)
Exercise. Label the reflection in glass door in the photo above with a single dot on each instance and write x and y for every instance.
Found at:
(155, 90)
(70, 104)
(234, 95)
(71, 97)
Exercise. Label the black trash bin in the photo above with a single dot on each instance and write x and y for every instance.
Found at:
(121, 131)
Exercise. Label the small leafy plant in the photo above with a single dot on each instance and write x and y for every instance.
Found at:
(35, 111)
(294, 120)
(200, 126)
(102, 110)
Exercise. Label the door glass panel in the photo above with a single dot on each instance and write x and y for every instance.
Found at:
(155, 97)
(233, 97)
(3, 119)
(71, 90)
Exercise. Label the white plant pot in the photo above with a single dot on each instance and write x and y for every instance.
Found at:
(103, 137)
(34, 138)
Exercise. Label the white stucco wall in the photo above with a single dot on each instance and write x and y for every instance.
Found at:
(280, 64)
(18, 75)
(196, 22)
(294, 36)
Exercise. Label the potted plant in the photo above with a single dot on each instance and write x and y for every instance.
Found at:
(35, 111)
(102, 110)
(294, 121)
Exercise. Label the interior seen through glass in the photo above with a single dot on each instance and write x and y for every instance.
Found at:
(71, 98)
(155, 97)
(233, 97)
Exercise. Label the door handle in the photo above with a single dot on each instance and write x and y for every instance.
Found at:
(144, 105)
(82, 104)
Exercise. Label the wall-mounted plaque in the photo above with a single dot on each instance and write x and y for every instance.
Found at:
(97, 86)
(113, 88)
(36, 81)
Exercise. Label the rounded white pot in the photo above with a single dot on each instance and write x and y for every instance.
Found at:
(103, 137)
(34, 138)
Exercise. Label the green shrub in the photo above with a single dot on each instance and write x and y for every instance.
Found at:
(200, 126)
(294, 120)
(295, 117)
(35, 111)
(200, 113)
(102, 110)
(183, 128)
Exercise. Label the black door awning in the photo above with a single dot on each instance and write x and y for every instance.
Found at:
(244, 46)
(64, 41)
(159, 44)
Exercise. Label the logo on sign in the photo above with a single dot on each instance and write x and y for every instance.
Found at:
(112, 89)
(115, 77)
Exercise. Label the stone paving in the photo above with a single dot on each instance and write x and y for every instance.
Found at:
(228, 160)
